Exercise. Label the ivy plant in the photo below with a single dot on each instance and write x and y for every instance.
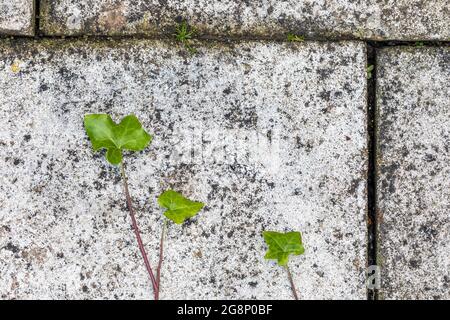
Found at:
(104, 133)
(281, 246)
(179, 209)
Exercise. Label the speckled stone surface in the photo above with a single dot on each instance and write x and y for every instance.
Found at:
(268, 135)
(414, 185)
(17, 17)
(367, 19)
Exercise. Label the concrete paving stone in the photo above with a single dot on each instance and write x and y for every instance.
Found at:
(268, 135)
(367, 19)
(414, 186)
(17, 17)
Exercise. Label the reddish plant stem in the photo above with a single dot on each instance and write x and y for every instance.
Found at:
(137, 232)
(291, 280)
(161, 257)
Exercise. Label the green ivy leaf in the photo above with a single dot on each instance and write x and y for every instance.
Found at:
(105, 133)
(178, 207)
(281, 245)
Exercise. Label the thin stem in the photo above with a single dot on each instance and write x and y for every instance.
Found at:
(161, 257)
(137, 232)
(294, 290)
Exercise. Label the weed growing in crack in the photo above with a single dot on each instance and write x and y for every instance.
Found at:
(104, 133)
(184, 35)
(281, 246)
(292, 37)
(369, 71)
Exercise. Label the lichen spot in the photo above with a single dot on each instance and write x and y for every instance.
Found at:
(113, 19)
(15, 67)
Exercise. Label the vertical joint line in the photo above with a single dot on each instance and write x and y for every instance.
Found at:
(372, 221)
(37, 17)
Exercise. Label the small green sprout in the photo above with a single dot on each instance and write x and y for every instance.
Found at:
(419, 44)
(184, 34)
(281, 246)
(369, 71)
(292, 37)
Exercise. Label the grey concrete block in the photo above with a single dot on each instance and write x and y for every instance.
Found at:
(268, 135)
(414, 185)
(17, 17)
(372, 19)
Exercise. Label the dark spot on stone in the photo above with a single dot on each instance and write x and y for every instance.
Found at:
(353, 186)
(428, 231)
(325, 73)
(17, 161)
(43, 88)
(389, 172)
(73, 155)
(414, 263)
(51, 166)
(102, 174)
(253, 284)
(11, 247)
(325, 95)
(430, 158)
(60, 255)
(85, 289)
(98, 185)
(27, 137)
(269, 136)
(227, 91)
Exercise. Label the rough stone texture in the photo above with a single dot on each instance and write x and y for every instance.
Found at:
(17, 17)
(414, 185)
(368, 19)
(269, 136)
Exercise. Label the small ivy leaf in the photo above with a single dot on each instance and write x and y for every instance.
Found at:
(281, 245)
(105, 133)
(178, 207)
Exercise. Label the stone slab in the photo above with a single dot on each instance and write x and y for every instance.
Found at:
(17, 17)
(268, 135)
(414, 186)
(369, 19)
